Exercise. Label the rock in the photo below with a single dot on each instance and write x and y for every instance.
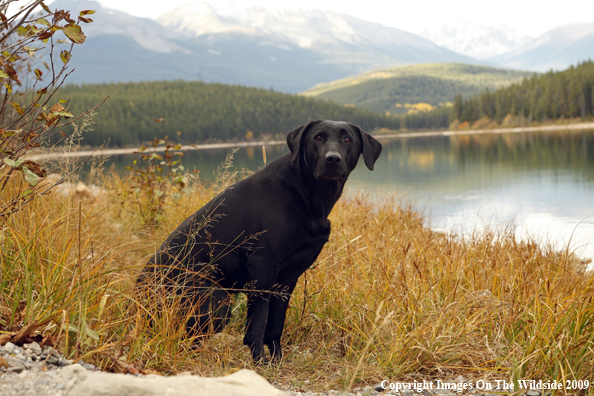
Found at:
(88, 366)
(533, 393)
(379, 388)
(52, 360)
(75, 371)
(241, 383)
(9, 347)
(3, 363)
(17, 368)
(33, 347)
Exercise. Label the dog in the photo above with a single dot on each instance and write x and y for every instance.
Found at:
(262, 233)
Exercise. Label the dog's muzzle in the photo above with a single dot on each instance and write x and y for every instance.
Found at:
(331, 166)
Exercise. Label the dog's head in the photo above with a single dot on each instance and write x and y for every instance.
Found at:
(331, 149)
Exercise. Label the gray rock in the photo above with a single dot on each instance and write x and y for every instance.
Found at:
(533, 393)
(17, 368)
(74, 371)
(379, 388)
(64, 362)
(241, 383)
(33, 347)
(9, 347)
(88, 366)
(52, 360)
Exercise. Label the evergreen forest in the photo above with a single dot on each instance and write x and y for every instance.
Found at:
(553, 95)
(197, 112)
(550, 96)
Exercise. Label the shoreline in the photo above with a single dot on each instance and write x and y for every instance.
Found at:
(107, 152)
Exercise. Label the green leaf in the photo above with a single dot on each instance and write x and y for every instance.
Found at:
(65, 56)
(30, 177)
(90, 332)
(42, 21)
(13, 163)
(74, 33)
(86, 12)
(38, 73)
(3, 74)
(23, 30)
(62, 101)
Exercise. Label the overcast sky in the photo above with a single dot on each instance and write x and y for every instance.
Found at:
(528, 17)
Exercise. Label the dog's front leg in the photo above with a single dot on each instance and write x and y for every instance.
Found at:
(277, 311)
(257, 315)
(263, 279)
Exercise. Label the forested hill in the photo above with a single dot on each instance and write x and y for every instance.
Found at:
(435, 84)
(196, 112)
(553, 95)
(549, 96)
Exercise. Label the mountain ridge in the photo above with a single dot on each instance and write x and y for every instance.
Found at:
(436, 84)
(291, 62)
(557, 48)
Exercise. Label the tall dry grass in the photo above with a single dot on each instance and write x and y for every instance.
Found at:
(388, 298)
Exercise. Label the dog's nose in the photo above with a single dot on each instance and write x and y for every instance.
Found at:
(333, 157)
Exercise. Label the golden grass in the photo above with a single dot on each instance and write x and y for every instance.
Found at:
(388, 297)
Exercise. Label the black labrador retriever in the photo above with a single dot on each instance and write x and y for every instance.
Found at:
(262, 233)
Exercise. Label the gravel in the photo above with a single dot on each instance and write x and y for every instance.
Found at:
(34, 370)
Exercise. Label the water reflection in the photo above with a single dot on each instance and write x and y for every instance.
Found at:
(543, 181)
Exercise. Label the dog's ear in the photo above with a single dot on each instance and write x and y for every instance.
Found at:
(295, 137)
(371, 148)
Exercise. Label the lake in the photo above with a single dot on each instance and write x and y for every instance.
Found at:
(542, 181)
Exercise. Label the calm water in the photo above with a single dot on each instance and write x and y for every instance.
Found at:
(542, 181)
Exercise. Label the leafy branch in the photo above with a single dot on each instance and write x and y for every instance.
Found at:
(29, 112)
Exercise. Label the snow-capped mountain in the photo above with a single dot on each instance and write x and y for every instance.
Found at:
(556, 49)
(289, 50)
(145, 32)
(304, 28)
(477, 41)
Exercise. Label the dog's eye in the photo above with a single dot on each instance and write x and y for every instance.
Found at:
(318, 138)
(347, 139)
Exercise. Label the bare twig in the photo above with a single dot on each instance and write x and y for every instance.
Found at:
(29, 9)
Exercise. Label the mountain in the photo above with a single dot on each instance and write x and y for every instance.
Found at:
(395, 88)
(286, 50)
(556, 49)
(335, 37)
(477, 41)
